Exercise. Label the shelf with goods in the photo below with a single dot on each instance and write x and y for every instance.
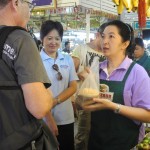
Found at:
(72, 15)
(73, 12)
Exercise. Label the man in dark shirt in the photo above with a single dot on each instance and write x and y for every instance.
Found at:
(67, 47)
(30, 100)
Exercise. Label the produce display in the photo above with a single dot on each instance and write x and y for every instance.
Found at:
(145, 144)
(142, 7)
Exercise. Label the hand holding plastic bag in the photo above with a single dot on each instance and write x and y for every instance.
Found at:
(88, 90)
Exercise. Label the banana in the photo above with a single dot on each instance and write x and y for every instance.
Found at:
(148, 8)
(135, 3)
(130, 6)
(134, 9)
(120, 7)
(126, 3)
(147, 4)
(148, 13)
(116, 2)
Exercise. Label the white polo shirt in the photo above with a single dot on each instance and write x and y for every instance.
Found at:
(63, 113)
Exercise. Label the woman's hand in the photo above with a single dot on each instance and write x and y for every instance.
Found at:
(134, 113)
(98, 104)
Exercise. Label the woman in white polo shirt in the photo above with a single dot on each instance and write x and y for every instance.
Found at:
(61, 71)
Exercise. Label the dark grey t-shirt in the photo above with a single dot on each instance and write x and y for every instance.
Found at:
(21, 53)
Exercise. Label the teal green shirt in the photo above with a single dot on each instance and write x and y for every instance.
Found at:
(145, 62)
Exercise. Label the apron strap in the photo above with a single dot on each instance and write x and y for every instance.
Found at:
(128, 71)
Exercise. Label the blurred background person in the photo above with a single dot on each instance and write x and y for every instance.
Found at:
(67, 47)
(141, 55)
(84, 57)
(61, 71)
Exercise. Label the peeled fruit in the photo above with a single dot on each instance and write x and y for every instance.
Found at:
(86, 95)
(88, 92)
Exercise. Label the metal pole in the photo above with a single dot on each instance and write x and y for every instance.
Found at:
(87, 26)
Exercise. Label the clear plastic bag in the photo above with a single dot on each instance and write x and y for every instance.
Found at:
(88, 90)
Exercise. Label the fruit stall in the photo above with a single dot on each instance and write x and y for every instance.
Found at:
(142, 7)
(145, 143)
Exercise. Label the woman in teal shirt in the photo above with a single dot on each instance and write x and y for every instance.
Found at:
(141, 56)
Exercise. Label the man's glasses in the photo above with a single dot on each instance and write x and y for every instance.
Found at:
(56, 68)
(31, 5)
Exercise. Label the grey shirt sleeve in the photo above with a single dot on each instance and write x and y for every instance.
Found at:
(21, 53)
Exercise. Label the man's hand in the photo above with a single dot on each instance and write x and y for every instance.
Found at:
(83, 74)
(51, 123)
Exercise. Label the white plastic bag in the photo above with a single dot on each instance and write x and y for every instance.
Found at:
(88, 90)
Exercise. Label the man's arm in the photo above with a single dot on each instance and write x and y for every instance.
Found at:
(76, 62)
(38, 99)
(49, 119)
(83, 74)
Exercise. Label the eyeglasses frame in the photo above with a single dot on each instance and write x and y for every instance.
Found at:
(31, 5)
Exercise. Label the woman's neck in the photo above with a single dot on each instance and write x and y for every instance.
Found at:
(51, 54)
(114, 63)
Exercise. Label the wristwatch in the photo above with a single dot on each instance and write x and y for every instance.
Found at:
(117, 110)
(58, 100)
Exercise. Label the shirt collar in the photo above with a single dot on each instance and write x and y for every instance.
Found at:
(124, 65)
(44, 56)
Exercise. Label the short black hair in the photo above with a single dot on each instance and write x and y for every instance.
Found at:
(102, 27)
(4, 3)
(66, 43)
(50, 25)
(139, 41)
